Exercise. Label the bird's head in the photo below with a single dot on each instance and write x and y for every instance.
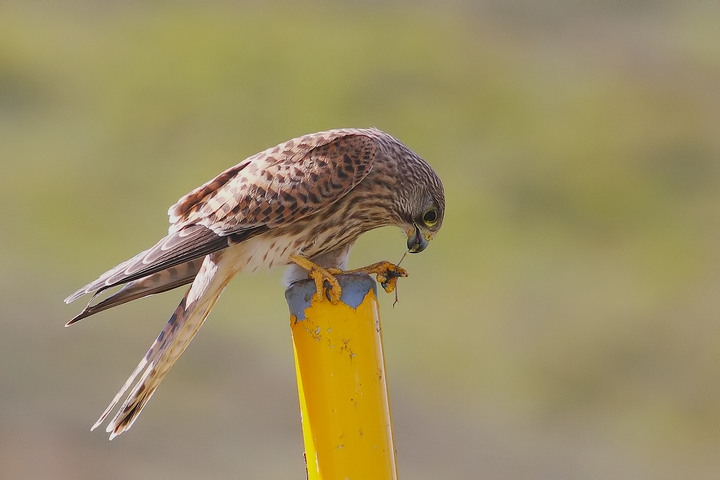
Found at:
(425, 210)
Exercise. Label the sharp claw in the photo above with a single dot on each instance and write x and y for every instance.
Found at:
(334, 293)
(321, 275)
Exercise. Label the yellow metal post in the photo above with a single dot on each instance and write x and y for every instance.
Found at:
(340, 366)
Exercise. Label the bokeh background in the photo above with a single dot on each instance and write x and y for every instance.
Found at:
(563, 325)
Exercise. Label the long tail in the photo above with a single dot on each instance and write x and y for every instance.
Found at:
(170, 344)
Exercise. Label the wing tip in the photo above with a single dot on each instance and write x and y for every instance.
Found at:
(75, 295)
(87, 311)
(82, 314)
(73, 321)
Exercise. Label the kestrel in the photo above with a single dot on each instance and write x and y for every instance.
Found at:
(302, 203)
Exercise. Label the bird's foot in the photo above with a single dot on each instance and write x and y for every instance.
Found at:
(321, 275)
(386, 273)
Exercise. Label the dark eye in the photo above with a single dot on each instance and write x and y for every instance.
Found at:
(430, 217)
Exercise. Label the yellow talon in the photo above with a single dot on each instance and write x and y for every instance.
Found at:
(321, 275)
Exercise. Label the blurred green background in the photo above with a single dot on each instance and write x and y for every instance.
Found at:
(563, 325)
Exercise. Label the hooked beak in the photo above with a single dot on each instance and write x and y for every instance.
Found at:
(416, 241)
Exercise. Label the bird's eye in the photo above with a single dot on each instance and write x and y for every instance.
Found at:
(430, 218)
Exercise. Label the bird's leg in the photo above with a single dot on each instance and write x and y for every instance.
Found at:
(387, 273)
(320, 275)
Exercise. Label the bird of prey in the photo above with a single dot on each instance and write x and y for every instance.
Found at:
(302, 203)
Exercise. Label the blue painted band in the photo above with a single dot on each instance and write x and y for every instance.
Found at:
(355, 286)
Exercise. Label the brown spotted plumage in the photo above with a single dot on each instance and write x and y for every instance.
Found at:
(306, 199)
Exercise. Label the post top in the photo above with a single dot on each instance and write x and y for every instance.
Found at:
(354, 288)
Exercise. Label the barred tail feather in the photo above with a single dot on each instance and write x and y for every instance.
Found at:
(170, 344)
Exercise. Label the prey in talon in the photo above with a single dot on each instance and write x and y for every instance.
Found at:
(389, 276)
(300, 204)
(388, 279)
